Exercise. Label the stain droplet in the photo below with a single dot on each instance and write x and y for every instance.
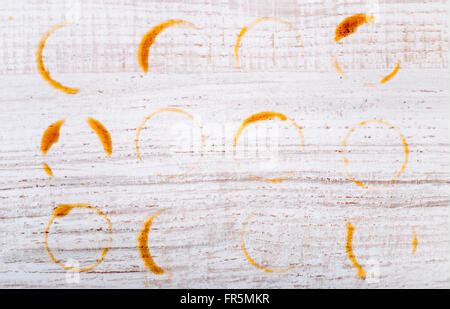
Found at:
(51, 136)
(47, 169)
(350, 24)
(102, 134)
(415, 242)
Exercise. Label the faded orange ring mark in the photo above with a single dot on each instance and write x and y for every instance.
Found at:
(414, 243)
(340, 71)
(245, 29)
(348, 26)
(250, 259)
(349, 249)
(41, 67)
(390, 126)
(63, 210)
(52, 133)
(159, 111)
(142, 245)
(264, 116)
(149, 38)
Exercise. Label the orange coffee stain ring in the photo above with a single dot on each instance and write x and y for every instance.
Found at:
(159, 111)
(265, 116)
(52, 133)
(349, 249)
(245, 29)
(340, 71)
(102, 133)
(248, 256)
(41, 67)
(414, 243)
(62, 211)
(149, 38)
(349, 26)
(390, 126)
(142, 245)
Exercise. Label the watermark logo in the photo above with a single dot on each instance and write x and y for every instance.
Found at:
(373, 271)
(73, 277)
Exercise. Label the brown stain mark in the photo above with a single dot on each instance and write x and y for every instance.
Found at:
(245, 29)
(51, 136)
(402, 139)
(47, 169)
(338, 68)
(351, 256)
(149, 38)
(262, 116)
(414, 243)
(41, 67)
(265, 116)
(142, 246)
(250, 259)
(102, 133)
(392, 74)
(63, 210)
(272, 180)
(165, 110)
(350, 24)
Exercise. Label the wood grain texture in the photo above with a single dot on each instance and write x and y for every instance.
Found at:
(208, 196)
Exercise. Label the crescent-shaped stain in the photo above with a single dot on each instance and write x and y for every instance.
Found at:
(149, 38)
(142, 246)
(262, 116)
(159, 111)
(403, 140)
(392, 74)
(102, 133)
(350, 24)
(338, 67)
(47, 169)
(41, 67)
(351, 256)
(245, 29)
(250, 259)
(63, 210)
(51, 136)
(414, 243)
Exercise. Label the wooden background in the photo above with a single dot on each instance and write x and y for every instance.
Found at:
(300, 222)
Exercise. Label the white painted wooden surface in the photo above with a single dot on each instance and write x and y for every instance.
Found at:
(300, 222)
